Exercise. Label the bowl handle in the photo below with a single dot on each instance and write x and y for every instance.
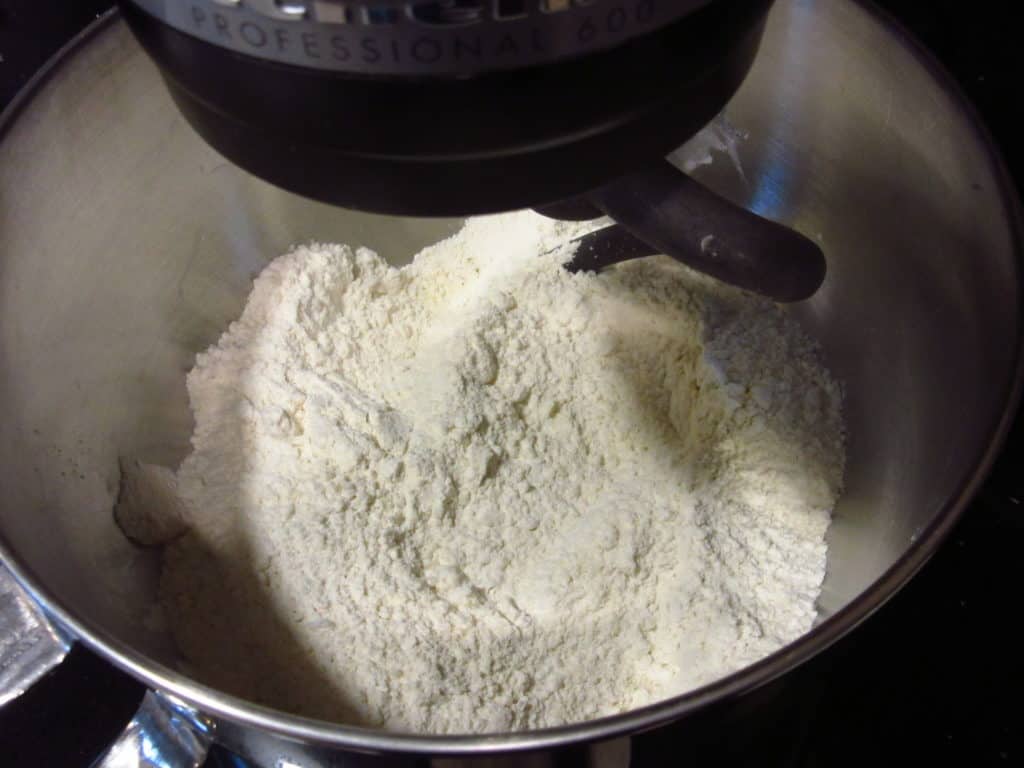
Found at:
(163, 732)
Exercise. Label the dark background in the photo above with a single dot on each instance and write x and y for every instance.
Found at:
(933, 676)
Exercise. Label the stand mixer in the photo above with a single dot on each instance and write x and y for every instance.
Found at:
(128, 246)
(460, 107)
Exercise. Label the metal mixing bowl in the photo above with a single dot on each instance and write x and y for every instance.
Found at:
(126, 246)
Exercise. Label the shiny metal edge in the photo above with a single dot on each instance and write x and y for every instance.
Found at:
(163, 733)
(215, 703)
(29, 645)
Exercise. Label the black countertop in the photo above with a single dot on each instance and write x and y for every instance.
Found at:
(934, 675)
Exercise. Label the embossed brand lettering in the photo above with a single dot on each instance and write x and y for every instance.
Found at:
(418, 36)
(433, 13)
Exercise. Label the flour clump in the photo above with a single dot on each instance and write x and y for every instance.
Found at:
(480, 493)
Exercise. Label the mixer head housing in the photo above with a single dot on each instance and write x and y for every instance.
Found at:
(448, 107)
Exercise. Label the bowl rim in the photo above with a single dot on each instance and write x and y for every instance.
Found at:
(213, 703)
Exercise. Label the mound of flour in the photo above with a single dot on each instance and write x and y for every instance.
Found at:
(480, 493)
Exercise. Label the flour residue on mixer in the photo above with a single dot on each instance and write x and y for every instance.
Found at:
(481, 493)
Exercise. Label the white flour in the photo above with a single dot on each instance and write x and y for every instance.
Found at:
(483, 494)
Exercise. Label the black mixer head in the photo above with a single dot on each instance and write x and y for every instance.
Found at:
(448, 107)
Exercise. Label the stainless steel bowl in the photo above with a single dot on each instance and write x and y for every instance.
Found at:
(126, 245)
